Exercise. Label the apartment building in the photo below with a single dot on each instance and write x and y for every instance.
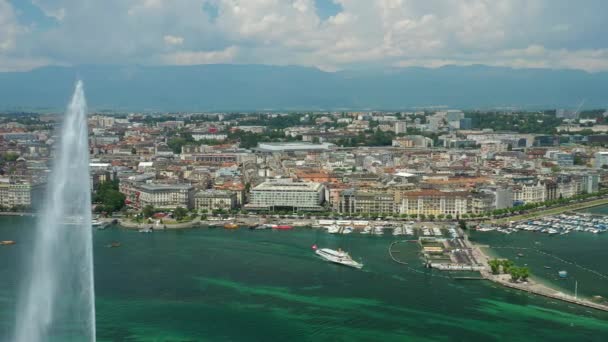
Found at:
(435, 202)
(210, 200)
(366, 202)
(166, 196)
(15, 194)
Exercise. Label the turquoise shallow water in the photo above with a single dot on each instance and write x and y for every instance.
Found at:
(219, 285)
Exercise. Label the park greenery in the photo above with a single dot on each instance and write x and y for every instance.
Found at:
(508, 267)
(108, 198)
(9, 156)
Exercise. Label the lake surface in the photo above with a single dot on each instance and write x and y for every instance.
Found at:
(220, 285)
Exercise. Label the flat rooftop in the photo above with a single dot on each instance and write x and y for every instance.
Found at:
(292, 146)
(165, 187)
(288, 186)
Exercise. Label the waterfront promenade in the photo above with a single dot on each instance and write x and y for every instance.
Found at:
(530, 286)
(552, 211)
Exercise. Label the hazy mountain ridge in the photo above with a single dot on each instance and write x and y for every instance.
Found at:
(261, 87)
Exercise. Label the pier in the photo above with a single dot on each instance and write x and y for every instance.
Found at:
(391, 252)
(530, 286)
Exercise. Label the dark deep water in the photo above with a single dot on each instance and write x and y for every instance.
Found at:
(220, 285)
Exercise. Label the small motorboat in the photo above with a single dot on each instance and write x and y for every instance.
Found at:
(113, 245)
(7, 243)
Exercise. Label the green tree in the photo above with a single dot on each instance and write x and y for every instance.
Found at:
(515, 273)
(148, 211)
(507, 265)
(494, 266)
(180, 213)
(108, 197)
(10, 156)
(462, 224)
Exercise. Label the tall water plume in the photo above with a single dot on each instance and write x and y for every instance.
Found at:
(58, 299)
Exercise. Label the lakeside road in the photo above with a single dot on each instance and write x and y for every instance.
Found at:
(552, 211)
(529, 286)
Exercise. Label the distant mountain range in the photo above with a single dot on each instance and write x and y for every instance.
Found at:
(224, 87)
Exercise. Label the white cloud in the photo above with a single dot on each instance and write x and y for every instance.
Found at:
(514, 33)
(534, 56)
(200, 57)
(51, 11)
(9, 28)
(173, 40)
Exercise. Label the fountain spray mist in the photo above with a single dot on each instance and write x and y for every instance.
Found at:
(58, 302)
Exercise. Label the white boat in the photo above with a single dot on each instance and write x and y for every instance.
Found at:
(347, 230)
(338, 257)
(333, 229)
(98, 224)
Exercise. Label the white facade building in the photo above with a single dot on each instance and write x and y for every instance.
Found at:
(601, 159)
(286, 193)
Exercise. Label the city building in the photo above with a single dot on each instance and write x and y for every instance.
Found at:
(400, 127)
(601, 159)
(14, 194)
(435, 202)
(209, 200)
(276, 194)
(292, 147)
(162, 196)
(366, 202)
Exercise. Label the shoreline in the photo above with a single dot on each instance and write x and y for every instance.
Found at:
(553, 211)
(533, 286)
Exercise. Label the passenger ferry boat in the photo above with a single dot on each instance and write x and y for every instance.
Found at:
(338, 257)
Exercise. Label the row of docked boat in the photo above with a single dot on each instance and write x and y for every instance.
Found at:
(270, 226)
(335, 229)
(555, 225)
(431, 231)
(406, 229)
(377, 230)
(565, 223)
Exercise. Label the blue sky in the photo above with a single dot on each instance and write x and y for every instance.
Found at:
(328, 34)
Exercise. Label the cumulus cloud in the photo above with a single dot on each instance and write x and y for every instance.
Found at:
(9, 27)
(516, 33)
(200, 57)
(173, 40)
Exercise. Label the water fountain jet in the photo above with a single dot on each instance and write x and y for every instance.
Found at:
(58, 302)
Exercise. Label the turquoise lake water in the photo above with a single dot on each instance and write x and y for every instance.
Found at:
(242, 285)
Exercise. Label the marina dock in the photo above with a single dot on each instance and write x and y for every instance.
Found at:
(391, 252)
